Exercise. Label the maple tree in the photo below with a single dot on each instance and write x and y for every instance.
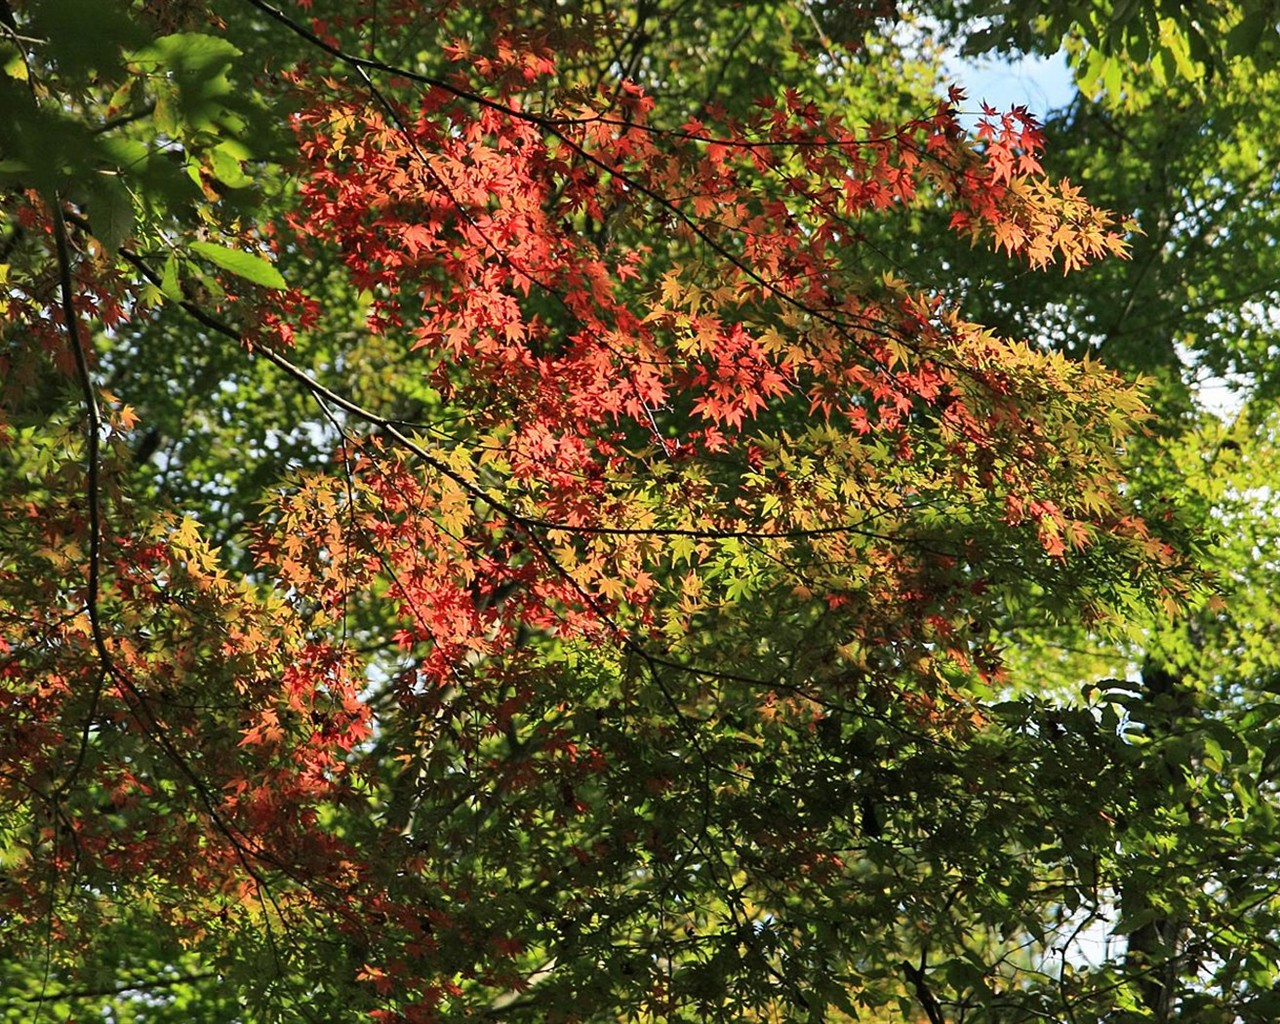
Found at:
(487, 535)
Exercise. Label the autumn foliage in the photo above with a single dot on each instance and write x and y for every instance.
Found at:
(676, 496)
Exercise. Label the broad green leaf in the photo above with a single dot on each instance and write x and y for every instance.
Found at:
(169, 281)
(226, 166)
(242, 264)
(15, 64)
(110, 211)
(191, 53)
(196, 94)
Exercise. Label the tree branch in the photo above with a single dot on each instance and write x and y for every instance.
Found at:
(93, 497)
(932, 1009)
(147, 985)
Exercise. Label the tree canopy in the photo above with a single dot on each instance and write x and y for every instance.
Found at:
(583, 513)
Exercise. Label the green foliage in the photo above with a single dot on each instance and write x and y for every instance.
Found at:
(1189, 42)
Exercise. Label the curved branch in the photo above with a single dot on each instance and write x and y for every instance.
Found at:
(93, 496)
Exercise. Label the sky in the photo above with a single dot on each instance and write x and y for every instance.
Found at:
(1039, 83)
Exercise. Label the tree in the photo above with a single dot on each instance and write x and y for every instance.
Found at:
(1193, 159)
(487, 535)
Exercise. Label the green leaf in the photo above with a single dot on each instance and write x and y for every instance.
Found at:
(110, 211)
(1201, 50)
(192, 53)
(1270, 760)
(1244, 38)
(226, 166)
(197, 90)
(14, 61)
(242, 264)
(169, 281)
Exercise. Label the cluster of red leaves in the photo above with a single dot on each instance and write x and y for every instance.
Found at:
(515, 248)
